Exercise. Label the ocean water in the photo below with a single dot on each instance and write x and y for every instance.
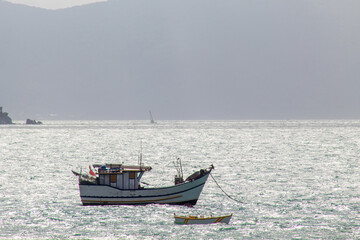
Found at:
(295, 179)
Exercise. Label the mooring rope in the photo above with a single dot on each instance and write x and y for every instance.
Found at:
(224, 191)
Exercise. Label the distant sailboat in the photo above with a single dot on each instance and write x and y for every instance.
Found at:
(151, 118)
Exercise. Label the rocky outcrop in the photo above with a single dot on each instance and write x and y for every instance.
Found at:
(4, 117)
(29, 121)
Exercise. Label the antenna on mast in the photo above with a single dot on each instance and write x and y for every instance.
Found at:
(140, 155)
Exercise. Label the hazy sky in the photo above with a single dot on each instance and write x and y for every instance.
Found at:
(188, 59)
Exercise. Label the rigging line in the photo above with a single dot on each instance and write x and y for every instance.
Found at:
(224, 191)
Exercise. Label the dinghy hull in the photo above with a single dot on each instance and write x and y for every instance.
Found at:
(201, 220)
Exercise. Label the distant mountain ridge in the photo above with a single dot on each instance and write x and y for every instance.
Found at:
(51, 5)
(183, 59)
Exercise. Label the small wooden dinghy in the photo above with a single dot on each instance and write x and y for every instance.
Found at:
(201, 220)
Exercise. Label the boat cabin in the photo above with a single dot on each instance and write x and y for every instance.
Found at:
(120, 176)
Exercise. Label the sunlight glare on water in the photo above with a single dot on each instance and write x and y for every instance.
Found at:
(296, 179)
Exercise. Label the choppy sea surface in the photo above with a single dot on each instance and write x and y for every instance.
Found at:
(295, 179)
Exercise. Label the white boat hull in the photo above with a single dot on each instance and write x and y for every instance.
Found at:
(202, 220)
(185, 193)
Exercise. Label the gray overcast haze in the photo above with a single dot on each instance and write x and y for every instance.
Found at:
(198, 59)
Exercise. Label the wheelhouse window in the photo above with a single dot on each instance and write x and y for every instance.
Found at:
(113, 178)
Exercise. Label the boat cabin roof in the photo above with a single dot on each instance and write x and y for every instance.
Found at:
(123, 168)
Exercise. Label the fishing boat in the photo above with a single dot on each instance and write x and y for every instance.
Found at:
(118, 184)
(201, 219)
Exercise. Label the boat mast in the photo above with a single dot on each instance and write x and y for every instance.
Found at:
(179, 177)
(181, 170)
(151, 118)
(140, 156)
